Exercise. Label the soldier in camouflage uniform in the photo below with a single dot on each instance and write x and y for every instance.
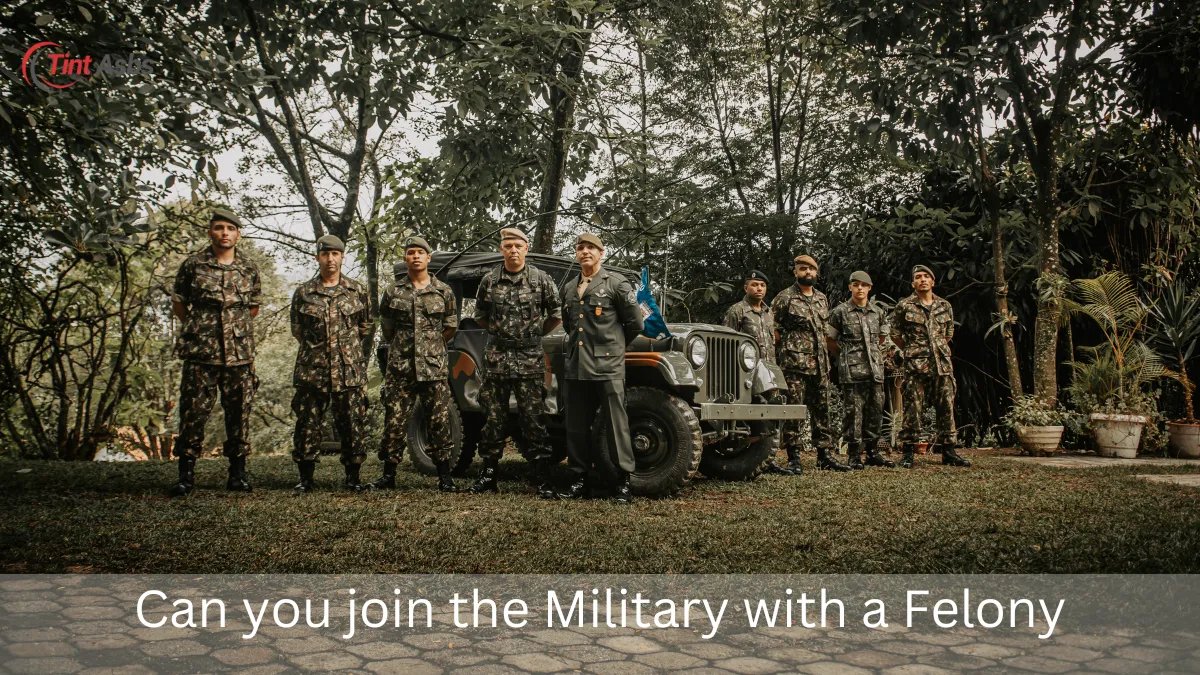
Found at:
(857, 327)
(418, 316)
(922, 326)
(752, 315)
(801, 313)
(217, 294)
(517, 303)
(331, 318)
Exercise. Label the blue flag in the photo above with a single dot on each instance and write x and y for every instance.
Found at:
(654, 324)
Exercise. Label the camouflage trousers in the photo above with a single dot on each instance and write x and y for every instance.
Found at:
(530, 393)
(920, 390)
(199, 387)
(400, 399)
(349, 415)
(813, 392)
(863, 412)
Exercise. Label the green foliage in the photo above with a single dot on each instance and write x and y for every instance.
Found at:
(1176, 330)
(1028, 411)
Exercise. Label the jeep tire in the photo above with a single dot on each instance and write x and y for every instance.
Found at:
(666, 442)
(418, 440)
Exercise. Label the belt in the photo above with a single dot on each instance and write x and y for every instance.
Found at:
(505, 343)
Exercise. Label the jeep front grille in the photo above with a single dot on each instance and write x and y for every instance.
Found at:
(721, 382)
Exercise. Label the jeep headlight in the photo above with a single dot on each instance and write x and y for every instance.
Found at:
(749, 354)
(697, 351)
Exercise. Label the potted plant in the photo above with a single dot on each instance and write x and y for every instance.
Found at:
(1176, 330)
(1110, 385)
(1038, 425)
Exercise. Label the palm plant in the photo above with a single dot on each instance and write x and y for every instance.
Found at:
(1176, 329)
(1120, 366)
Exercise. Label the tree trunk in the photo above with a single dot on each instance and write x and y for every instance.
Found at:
(991, 201)
(1045, 331)
(562, 115)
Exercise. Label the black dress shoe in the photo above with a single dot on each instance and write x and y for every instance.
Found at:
(576, 490)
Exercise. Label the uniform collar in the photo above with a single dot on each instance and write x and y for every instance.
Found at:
(316, 285)
(209, 256)
(518, 277)
(765, 307)
(405, 281)
(854, 307)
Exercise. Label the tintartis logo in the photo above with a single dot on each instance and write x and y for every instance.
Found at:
(51, 68)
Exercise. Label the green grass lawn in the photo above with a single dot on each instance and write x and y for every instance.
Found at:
(1000, 517)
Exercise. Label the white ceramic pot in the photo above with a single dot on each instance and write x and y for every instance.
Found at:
(1185, 440)
(1117, 435)
(1039, 441)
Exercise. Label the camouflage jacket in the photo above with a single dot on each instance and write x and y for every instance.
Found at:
(415, 319)
(859, 332)
(759, 323)
(926, 331)
(801, 321)
(516, 307)
(218, 329)
(332, 324)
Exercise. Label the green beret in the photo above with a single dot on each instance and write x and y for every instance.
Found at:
(861, 277)
(417, 241)
(589, 238)
(330, 243)
(225, 215)
(922, 268)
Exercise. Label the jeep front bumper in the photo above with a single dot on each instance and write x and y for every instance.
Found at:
(751, 411)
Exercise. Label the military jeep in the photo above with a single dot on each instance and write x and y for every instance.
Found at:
(696, 401)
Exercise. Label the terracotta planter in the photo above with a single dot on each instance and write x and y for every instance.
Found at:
(1039, 441)
(1185, 440)
(920, 448)
(1117, 435)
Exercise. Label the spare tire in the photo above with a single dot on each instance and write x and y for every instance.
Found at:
(666, 442)
(418, 439)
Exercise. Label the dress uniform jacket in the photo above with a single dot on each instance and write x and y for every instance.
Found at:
(599, 326)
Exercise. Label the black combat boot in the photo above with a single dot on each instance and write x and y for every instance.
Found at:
(388, 480)
(794, 467)
(576, 490)
(306, 468)
(445, 482)
(854, 456)
(771, 467)
(951, 458)
(486, 480)
(827, 462)
(906, 461)
(237, 475)
(541, 477)
(353, 482)
(621, 493)
(187, 477)
(875, 459)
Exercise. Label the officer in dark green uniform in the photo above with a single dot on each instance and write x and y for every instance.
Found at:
(217, 294)
(601, 317)
(517, 303)
(418, 316)
(856, 329)
(331, 318)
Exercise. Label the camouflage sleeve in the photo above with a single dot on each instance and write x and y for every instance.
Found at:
(295, 314)
(779, 307)
(894, 323)
(254, 299)
(183, 283)
(950, 328)
(450, 318)
(551, 299)
(364, 322)
(387, 322)
(833, 328)
(628, 311)
(732, 318)
(483, 299)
